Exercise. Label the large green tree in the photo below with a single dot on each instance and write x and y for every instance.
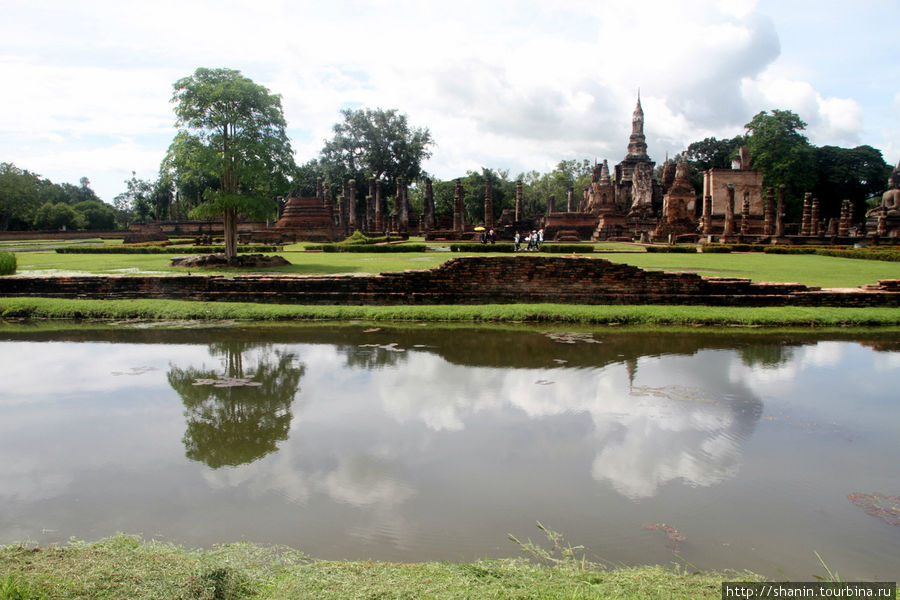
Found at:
(374, 143)
(853, 174)
(19, 196)
(232, 136)
(780, 150)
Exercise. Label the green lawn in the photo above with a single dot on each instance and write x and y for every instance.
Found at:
(808, 269)
(823, 271)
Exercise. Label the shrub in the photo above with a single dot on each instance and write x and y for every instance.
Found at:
(161, 250)
(367, 248)
(675, 249)
(567, 248)
(359, 237)
(733, 247)
(501, 247)
(7, 263)
(789, 250)
(888, 254)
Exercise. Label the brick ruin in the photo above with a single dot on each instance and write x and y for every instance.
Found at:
(465, 280)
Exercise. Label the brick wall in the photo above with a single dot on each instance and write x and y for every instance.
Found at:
(466, 280)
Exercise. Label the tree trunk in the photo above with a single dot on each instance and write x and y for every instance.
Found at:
(231, 219)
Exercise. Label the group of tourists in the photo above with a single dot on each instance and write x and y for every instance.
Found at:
(488, 237)
(533, 240)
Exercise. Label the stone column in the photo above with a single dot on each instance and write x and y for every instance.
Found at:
(488, 204)
(729, 211)
(370, 206)
(329, 204)
(551, 205)
(814, 226)
(428, 207)
(345, 209)
(370, 213)
(706, 219)
(320, 193)
(402, 207)
(846, 218)
(379, 208)
(745, 214)
(770, 210)
(352, 212)
(806, 221)
(518, 201)
(779, 212)
(570, 200)
(459, 223)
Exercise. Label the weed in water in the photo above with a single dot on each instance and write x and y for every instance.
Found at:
(560, 553)
(831, 576)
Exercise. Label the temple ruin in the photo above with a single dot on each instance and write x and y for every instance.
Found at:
(623, 203)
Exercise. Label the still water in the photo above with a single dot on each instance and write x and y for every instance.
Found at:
(712, 450)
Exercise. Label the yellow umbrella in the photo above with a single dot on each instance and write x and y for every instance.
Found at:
(479, 229)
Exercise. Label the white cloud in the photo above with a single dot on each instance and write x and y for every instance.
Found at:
(503, 84)
(830, 121)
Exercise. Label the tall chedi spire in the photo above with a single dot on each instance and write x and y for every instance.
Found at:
(637, 144)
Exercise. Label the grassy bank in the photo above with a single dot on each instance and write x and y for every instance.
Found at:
(123, 567)
(774, 316)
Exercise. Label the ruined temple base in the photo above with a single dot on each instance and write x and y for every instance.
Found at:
(674, 231)
(241, 261)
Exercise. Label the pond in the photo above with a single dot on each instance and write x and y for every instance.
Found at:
(711, 450)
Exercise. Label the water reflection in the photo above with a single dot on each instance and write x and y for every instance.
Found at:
(237, 415)
(641, 436)
(416, 443)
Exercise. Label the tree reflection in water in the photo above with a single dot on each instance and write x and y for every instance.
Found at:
(239, 415)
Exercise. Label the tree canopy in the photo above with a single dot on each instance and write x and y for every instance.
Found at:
(29, 201)
(231, 142)
(375, 143)
(780, 150)
(853, 174)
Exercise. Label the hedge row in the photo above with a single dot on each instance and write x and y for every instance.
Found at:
(675, 249)
(725, 248)
(161, 250)
(878, 253)
(567, 248)
(888, 254)
(7, 263)
(507, 247)
(367, 248)
(501, 247)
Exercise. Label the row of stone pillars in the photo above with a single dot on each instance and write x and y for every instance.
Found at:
(773, 223)
(375, 218)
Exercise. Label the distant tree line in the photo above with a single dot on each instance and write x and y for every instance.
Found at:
(779, 149)
(231, 158)
(31, 202)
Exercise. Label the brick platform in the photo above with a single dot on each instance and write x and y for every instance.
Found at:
(465, 280)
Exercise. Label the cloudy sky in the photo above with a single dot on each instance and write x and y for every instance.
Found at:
(517, 85)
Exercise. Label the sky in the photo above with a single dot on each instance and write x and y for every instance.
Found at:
(501, 84)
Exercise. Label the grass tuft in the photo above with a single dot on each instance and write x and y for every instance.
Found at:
(7, 263)
(124, 567)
